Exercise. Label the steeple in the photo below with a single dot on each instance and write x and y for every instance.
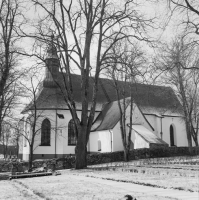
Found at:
(51, 51)
(52, 64)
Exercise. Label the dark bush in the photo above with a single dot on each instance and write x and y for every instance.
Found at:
(165, 153)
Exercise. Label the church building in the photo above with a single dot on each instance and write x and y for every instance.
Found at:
(157, 117)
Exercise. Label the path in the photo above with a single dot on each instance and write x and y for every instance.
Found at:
(11, 190)
(134, 188)
(74, 187)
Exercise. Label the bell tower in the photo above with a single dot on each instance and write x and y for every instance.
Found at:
(52, 65)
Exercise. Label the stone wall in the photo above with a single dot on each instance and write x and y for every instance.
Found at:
(137, 154)
(156, 145)
(99, 158)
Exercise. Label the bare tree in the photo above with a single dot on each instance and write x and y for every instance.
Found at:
(126, 63)
(174, 61)
(29, 126)
(9, 21)
(84, 33)
(193, 99)
(9, 138)
(6, 136)
(15, 140)
(189, 12)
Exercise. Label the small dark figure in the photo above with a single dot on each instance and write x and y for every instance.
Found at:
(129, 197)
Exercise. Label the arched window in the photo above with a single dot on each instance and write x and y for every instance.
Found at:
(72, 133)
(172, 142)
(45, 133)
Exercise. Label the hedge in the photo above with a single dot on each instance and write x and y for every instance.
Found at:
(99, 158)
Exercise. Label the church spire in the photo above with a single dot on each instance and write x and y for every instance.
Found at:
(51, 51)
(52, 64)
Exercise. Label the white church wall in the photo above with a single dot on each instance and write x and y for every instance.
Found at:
(100, 141)
(62, 147)
(105, 141)
(138, 118)
(140, 142)
(93, 142)
(26, 147)
(45, 151)
(158, 126)
(68, 149)
(117, 138)
(154, 121)
(61, 139)
(108, 140)
(25, 152)
(180, 138)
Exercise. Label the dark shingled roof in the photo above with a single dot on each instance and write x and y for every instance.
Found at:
(159, 97)
(108, 117)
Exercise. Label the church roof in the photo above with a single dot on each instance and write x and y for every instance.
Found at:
(146, 96)
(147, 135)
(110, 116)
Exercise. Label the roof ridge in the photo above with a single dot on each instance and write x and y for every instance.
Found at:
(137, 83)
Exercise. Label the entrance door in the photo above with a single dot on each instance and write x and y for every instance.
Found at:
(171, 136)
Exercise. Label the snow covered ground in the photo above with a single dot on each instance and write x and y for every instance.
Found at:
(93, 185)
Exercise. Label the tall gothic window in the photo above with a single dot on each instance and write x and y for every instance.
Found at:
(72, 133)
(45, 133)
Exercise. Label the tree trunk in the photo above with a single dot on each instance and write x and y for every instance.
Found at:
(0, 126)
(4, 151)
(126, 155)
(17, 148)
(188, 134)
(30, 159)
(194, 135)
(81, 150)
(189, 141)
(184, 104)
(196, 140)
